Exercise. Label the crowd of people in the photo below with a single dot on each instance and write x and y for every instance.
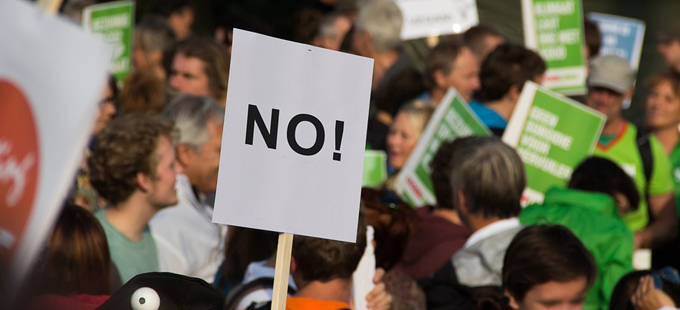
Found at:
(136, 231)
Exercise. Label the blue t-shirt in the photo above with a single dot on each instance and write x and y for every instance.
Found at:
(489, 117)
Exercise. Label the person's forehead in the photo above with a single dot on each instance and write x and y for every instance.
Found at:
(464, 58)
(189, 62)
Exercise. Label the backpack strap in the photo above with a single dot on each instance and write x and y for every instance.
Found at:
(238, 293)
(645, 149)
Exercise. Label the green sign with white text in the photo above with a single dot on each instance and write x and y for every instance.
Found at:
(552, 134)
(113, 22)
(452, 119)
(554, 28)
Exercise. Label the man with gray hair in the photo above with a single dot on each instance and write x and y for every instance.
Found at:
(188, 241)
(378, 35)
(487, 179)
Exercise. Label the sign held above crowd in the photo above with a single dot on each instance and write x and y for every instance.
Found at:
(426, 18)
(452, 119)
(552, 134)
(554, 28)
(48, 95)
(113, 22)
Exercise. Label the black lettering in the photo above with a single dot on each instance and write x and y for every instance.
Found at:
(320, 134)
(269, 136)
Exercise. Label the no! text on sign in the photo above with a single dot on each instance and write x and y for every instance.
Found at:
(294, 136)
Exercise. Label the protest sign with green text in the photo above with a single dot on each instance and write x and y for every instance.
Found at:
(554, 28)
(552, 135)
(452, 119)
(113, 22)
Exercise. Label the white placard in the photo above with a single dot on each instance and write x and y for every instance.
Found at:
(294, 138)
(424, 18)
(51, 77)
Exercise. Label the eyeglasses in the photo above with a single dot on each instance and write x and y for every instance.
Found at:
(669, 274)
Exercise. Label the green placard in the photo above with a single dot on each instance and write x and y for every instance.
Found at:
(452, 119)
(375, 168)
(113, 22)
(552, 134)
(554, 28)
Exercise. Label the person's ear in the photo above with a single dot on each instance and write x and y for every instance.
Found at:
(513, 93)
(293, 265)
(185, 154)
(511, 300)
(439, 79)
(144, 182)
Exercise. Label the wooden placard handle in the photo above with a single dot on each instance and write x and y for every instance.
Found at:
(282, 273)
(50, 6)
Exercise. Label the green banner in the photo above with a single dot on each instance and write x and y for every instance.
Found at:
(554, 28)
(375, 168)
(552, 134)
(113, 22)
(452, 119)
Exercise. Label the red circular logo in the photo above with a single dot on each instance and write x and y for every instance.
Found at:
(19, 163)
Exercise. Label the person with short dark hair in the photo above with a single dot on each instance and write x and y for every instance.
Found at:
(481, 40)
(547, 266)
(487, 179)
(440, 233)
(502, 78)
(451, 64)
(322, 270)
(201, 68)
(133, 168)
(598, 194)
(610, 83)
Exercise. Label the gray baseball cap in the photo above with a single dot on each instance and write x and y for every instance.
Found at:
(612, 72)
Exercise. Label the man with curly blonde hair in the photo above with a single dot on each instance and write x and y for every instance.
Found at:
(133, 167)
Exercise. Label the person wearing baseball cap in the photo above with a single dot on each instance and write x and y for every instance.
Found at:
(610, 83)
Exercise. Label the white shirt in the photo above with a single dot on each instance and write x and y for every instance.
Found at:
(492, 229)
(187, 240)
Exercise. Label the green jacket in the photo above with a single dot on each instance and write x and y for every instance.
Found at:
(592, 217)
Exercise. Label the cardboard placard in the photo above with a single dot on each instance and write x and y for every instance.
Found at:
(552, 134)
(621, 36)
(113, 22)
(294, 137)
(51, 77)
(452, 119)
(554, 28)
(425, 18)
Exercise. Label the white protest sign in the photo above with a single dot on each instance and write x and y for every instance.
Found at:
(424, 18)
(294, 137)
(51, 76)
